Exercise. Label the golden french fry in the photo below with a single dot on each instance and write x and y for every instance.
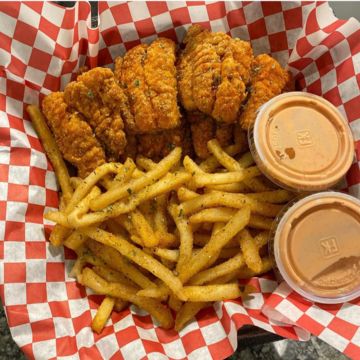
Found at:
(246, 273)
(260, 222)
(120, 305)
(246, 160)
(59, 234)
(103, 314)
(174, 303)
(117, 290)
(250, 251)
(168, 254)
(217, 292)
(184, 194)
(262, 239)
(125, 174)
(75, 240)
(237, 187)
(75, 181)
(275, 196)
(144, 229)
(112, 275)
(145, 163)
(137, 256)
(187, 312)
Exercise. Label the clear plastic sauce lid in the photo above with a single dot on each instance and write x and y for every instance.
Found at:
(317, 247)
(302, 141)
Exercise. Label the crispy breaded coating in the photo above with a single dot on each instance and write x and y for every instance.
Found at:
(268, 80)
(204, 128)
(99, 98)
(73, 135)
(147, 73)
(213, 71)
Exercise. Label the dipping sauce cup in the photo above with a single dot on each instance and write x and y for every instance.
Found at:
(316, 246)
(301, 142)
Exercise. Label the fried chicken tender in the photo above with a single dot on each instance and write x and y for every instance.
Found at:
(99, 98)
(268, 79)
(213, 71)
(147, 73)
(73, 135)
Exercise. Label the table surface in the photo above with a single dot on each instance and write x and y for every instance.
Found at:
(253, 343)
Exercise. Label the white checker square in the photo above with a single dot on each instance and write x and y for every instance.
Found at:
(85, 338)
(63, 327)
(40, 311)
(64, 80)
(328, 81)
(156, 356)
(191, 326)
(128, 32)
(5, 58)
(175, 349)
(107, 346)
(106, 20)
(356, 338)
(202, 353)
(147, 334)
(65, 37)
(176, 5)
(22, 334)
(55, 66)
(233, 5)
(14, 107)
(50, 181)
(54, 254)
(3, 191)
(253, 12)
(254, 301)
(93, 49)
(181, 31)
(35, 271)
(15, 294)
(162, 22)
(34, 232)
(213, 333)
(8, 24)
(29, 98)
(74, 55)
(2, 230)
(267, 286)
(334, 339)
(133, 350)
(232, 308)
(139, 11)
(117, 50)
(124, 323)
(338, 51)
(29, 16)
(350, 313)
(18, 138)
(70, 357)
(20, 50)
(198, 13)
(346, 89)
(282, 57)
(219, 25)
(2, 85)
(1, 273)
(56, 291)
(4, 121)
(78, 307)
(356, 62)
(262, 325)
(274, 23)
(15, 211)
(354, 125)
(44, 349)
(289, 310)
(37, 195)
(53, 13)
(44, 43)
(68, 267)
(321, 316)
(261, 45)
(34, 75)
(19, 174)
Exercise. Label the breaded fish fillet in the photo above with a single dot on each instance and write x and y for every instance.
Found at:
(268, 80)
(147, 73)
(98, 97)
(213, 71)
(73, 135)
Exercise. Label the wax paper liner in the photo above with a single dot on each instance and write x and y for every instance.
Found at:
(41, 47)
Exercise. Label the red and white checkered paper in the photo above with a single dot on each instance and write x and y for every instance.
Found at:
(41, 46)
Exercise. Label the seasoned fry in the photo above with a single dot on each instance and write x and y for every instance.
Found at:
(75, 240)
(185, 194)
(274, 197)
(212, 292)
(187, 312)
(103, 314)
(124, 174)
(246, 273)
(144, 229)
(250, 251)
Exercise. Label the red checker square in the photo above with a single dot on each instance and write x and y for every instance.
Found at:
(28, 351)
(357, 149)
(34, 213)
(307, 322)
(239, 319)
(15, 90)
(14, 231)
(17, 123)
(145, 322)
(333, 40)
(152, 346)
(1, 248)
(52, 198)
(207, 316)
(192, 341)
(68, 67)
(18, 192)
(180, 16)
(11, 8)
(35, 250)
(5, 42)
(68, 20)
(165, 336)
(25, 33)
(312, 24)
(345, 70)
(145, 27)
(93, 36)
(216, 10)
(107, 330)
(39, 59)
(36, 6)
(221, 349)
(342, 327)
(130, 44)
(353, 175)
(257, 29)
(352, 351)
(75, 290)
(17, 315)
(126, 336)
(111, 36)
(354, 43)
(293, 18)
(17, 67)
(95, 301)
(301, 303)
(195, 3)
(121, 14)
(324, 63)
(66, 346)
(84, 320)
(157, 7)
(315, 87)
(36, 293)
(271, 7)
(303, 46)
(15, 272)
(4, 172)
(333, 96)
(331, 29)
(60, 309)
(62, 52)
(43, 330)
(286, 332)
(278, 41)
(37, 176)
(69, 254)
(55, 271)
(92, 352)
(2, 107)
(20, 156)
(49, 28)
(236, 18)
(51, 82)
(170, 34)
(352, 109)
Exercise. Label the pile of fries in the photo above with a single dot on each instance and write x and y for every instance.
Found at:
(169, 235)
